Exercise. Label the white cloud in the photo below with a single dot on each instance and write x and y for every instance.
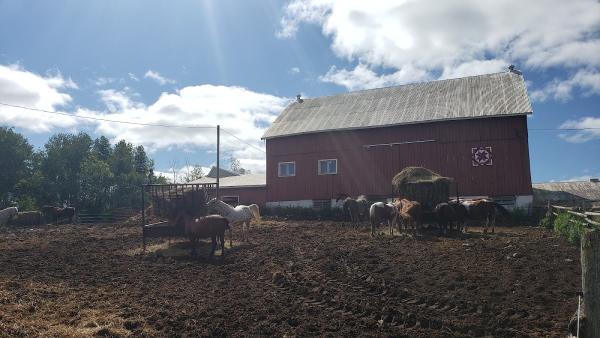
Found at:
(294, 70)
(180, 173)
(246, 117)
(361, 77)
(161, 80)
(133, 77)
(118, 100)
(591, 133)
(451, 38)
(24, 88)
(588, 81)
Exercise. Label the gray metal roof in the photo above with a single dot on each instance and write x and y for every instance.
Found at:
(567, 191)
(490, 95)
(241, 181)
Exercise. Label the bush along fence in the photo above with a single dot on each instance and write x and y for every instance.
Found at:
(582, 227)
(570, 223)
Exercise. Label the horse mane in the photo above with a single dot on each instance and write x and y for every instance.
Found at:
(340, 196)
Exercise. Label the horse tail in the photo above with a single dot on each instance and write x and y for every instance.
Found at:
(255, 211)
(500, 208)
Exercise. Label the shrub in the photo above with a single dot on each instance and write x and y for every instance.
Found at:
(569, 227)
(548, 221)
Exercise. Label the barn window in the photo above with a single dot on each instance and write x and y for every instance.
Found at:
(328, 167)
(287, 169)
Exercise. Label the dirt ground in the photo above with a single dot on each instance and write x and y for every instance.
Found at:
(295, 279)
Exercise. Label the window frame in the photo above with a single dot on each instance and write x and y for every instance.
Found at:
(328, 173)
(279, 168)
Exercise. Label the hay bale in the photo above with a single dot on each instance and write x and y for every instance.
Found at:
(422, 185)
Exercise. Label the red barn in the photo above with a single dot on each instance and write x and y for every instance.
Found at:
(473, 129)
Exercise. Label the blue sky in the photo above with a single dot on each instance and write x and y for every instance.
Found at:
(238, 63)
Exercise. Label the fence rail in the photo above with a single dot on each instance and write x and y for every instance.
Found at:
(585, 216)
(115, 216)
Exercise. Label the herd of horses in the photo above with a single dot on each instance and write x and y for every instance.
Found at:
(401, 213)
(405, 214)
(31, 218)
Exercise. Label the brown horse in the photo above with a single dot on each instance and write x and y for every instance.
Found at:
(351, 209)
(484, 209)
(409, 214)
(212, 226)
(59, 213)
(448, 214)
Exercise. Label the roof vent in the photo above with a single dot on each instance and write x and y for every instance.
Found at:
(512, 69)
(299, 98)
(595, 180)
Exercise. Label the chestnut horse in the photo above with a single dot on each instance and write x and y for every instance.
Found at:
(409, 214)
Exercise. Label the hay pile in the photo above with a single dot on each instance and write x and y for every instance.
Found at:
(422, 185)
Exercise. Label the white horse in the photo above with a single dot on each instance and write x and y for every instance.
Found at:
(240, 215)
(6, 214)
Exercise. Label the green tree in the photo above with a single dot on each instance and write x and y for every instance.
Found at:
(236, 166)
(195, 173)
(62, 164)
(122, 158)
(15, 163)
(96, 184)
(102, 149)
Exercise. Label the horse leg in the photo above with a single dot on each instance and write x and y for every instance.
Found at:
(391, 228)
(193, 242)
(230, 237)
(372, 229)
(213, 246)
(487, 222)
(222, 237)
(493, 222)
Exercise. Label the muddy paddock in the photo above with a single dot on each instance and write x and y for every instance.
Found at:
(294, 279)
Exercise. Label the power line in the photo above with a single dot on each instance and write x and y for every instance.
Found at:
(210, 127)
(239, 139)
(108, 120)
(129, 122)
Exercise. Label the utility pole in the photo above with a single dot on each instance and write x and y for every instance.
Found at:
(218, 150)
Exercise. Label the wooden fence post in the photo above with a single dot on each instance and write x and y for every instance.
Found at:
(590, 280)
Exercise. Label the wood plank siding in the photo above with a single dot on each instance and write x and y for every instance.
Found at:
(370, 170)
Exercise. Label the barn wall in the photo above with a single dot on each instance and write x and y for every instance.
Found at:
(370, 171)
(247, 195)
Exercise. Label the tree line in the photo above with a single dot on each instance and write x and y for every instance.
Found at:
(72, 169)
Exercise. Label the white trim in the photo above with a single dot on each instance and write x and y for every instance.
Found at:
(279, 169)
(327, 159)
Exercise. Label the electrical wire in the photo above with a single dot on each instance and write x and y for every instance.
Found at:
(108, 120)
(211, 127)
